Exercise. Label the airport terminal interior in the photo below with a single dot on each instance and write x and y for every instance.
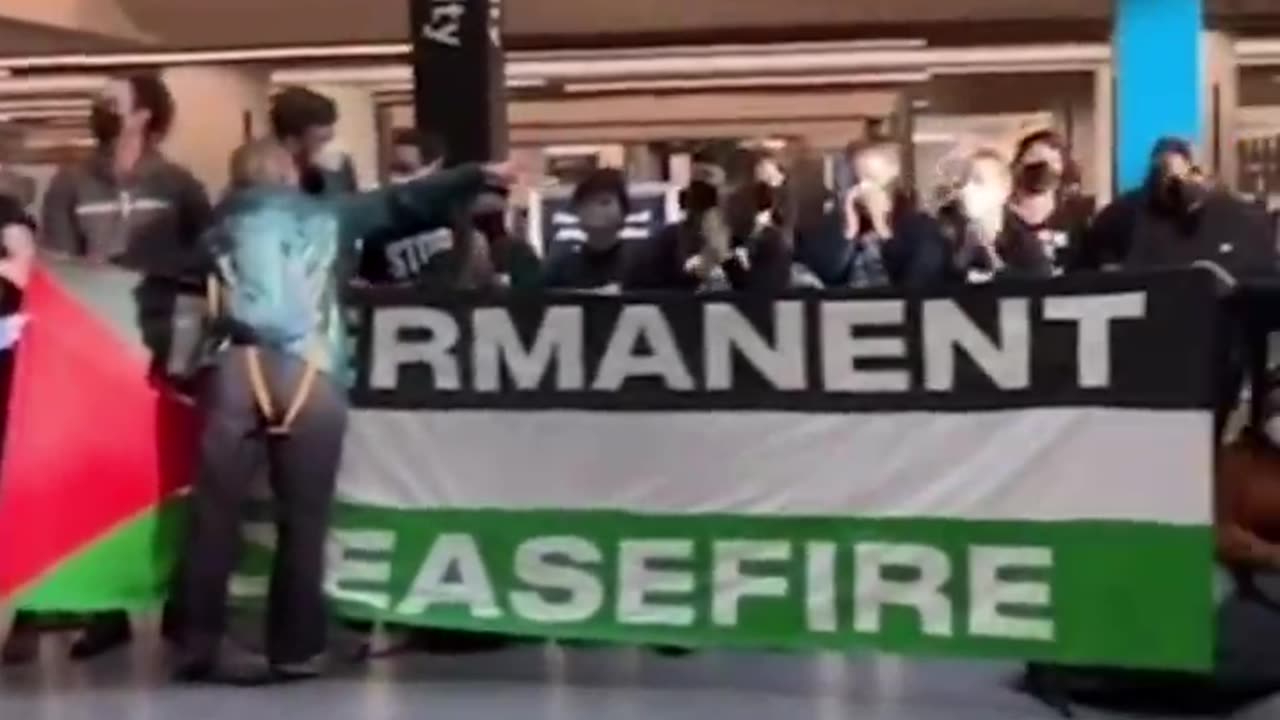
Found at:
(641, 85)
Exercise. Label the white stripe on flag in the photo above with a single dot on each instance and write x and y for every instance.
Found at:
(1038, 464)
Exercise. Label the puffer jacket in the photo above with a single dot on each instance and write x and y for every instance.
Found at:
(281, 254)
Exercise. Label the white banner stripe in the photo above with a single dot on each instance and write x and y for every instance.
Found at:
(1052, 464)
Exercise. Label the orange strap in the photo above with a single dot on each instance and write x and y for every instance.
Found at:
(215, 295)
(262, 395)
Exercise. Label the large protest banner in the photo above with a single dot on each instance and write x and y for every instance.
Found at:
(1012, 471)
(1021, 470)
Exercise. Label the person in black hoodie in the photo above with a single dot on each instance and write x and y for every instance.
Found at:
(1044, 204)
(1179, 218)
(876, 236)
(1176, 218)
(425, 259)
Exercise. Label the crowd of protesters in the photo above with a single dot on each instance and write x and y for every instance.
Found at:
(750, 222)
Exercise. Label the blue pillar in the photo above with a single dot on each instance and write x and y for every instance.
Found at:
(1157, 61)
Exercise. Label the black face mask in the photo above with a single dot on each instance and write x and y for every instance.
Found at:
(106, 124)
(699, 197)
(745, 204)
(766, 197)
(400, 167)
(312, 181)
(493, 225)
(1181, 196)
(1038, 177)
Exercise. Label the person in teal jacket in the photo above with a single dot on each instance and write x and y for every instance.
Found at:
(276, 392)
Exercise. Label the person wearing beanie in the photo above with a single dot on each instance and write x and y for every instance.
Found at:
(1180, 218)
(1177, 217)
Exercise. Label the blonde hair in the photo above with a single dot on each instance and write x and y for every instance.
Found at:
(992, 155)
(261, 162)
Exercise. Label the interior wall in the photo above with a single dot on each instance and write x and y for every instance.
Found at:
(210, 121)
(827, 118)
(1259, 112)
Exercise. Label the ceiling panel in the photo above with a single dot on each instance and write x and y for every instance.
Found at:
(231, 23)
(20, 38)
(202, 24)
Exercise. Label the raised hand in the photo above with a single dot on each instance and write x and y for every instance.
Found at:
(503, 173)
(849, 204)
(879, 205)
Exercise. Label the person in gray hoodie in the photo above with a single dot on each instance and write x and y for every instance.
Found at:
(128, 205)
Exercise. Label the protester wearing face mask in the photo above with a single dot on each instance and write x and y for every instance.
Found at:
(423, 258)
(1178, 217)
(491, 258)
(1042, 207)
(414, 155)
(303, 122)
(769, 172)
(732, 236)
(604, 262)
(985, 237)
(130, 206)
(876, 237)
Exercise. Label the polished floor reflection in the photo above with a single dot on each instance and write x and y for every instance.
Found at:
(537, 683)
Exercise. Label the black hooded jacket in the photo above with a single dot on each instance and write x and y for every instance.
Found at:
(1140, 231)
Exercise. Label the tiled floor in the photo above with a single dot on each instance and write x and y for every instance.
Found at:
(537, 683)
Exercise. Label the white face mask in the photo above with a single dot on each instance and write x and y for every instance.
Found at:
(982, 202)
(330, 157)
(876, 169)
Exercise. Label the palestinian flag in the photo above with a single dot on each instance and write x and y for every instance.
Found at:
(95, 455)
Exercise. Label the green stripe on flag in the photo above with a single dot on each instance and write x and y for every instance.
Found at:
(1083, 592)
(128, 568)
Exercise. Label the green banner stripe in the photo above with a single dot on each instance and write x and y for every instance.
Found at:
(1117, 593)
(1104, 593)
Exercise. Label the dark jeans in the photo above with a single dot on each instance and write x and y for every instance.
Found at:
(171, 316)
(303, 468)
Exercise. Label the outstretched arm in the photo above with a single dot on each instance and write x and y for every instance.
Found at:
(413, 207)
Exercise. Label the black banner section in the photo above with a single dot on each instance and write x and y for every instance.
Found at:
(1103, 340)
(459, 76)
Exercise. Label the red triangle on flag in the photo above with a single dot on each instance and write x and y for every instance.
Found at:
(90, 443)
